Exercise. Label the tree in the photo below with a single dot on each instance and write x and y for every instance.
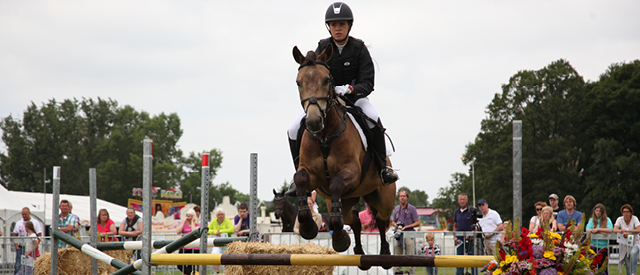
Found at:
(417, 198)
(77, 135)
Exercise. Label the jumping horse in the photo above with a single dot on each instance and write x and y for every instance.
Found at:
(331, 160)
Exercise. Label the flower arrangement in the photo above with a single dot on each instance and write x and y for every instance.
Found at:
(545, 253)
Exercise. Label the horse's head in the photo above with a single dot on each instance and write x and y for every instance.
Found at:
(315, 86)
(278, 203)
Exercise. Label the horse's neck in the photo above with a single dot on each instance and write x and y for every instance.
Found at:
(289, 208)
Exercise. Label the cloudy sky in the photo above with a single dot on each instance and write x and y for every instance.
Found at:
(226, 68)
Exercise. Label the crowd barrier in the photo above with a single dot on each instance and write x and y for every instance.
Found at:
(371, 246)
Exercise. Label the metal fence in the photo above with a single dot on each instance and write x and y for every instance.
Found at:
(9, 255)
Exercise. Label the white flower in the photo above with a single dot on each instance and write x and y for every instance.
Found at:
(537, 241)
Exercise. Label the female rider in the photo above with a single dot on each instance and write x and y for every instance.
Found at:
(352, 70)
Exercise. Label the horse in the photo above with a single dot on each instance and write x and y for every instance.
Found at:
(286, 212)
(331, 160)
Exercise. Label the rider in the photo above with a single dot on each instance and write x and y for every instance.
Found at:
(353, 74)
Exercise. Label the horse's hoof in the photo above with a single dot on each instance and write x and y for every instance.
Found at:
(358, 251)
(364, 267)
(308, 235)
(387, 267)
(384, 249)
(342, 245)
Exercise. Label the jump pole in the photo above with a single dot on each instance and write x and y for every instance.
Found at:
(92, 252)
(168, 249)
(137, 245)
(322, 260)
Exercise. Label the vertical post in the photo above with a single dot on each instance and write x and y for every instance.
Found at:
(55, 219)
(517, 169)
(253, 203)
(147, 202)
(44, 190)
(93, 194)
(204, 207)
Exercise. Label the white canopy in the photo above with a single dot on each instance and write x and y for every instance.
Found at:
(12, 202)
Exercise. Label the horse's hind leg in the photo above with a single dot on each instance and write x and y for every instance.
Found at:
(308, 228)
(356, 226)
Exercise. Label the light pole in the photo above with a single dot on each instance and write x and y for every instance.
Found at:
(473, 178)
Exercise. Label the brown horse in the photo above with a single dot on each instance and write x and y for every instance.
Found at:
(331, 159)
(284, 210)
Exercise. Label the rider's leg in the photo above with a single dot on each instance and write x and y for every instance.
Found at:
(378, 142)
(294, 146)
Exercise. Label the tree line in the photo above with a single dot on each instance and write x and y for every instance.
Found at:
(579, 138)
(81, 134)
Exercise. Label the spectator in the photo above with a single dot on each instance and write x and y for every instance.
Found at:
(105, 227)
(189, 224)
(570, 213)
(241, 221)
(627, 225)
(600, 224)
(430, 249)
(406, 214)
(463, 221)
(534, 220)
(131, 227)
(221, 227)
(68, 221)
(489, 223)
(368, 220)
(503, 233)
(30, 250)
(553, 202)
(317, 218)
(197, 210)
(547, 218)
(20, 231)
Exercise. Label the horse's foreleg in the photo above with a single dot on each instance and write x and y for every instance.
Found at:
(308, 228)
(341, 240)
(356, 226)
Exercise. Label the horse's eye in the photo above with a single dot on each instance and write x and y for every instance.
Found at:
(326, 81)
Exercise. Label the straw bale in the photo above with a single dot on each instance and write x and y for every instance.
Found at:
(267, 248)
(73, 261)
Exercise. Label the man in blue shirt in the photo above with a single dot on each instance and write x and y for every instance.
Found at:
(241, 221)
(569, 213)
(406, 214)
(463, 221)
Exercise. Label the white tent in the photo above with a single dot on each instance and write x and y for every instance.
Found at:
(12, 202)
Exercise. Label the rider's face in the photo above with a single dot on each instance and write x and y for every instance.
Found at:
(339, 29)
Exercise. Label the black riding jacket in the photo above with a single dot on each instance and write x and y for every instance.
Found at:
(354, 66)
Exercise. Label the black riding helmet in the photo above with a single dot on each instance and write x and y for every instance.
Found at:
(336, 12)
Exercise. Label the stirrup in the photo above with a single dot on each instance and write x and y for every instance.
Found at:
(388, 176)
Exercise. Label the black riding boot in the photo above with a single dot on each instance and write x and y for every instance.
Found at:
(295, 154)
(386, 173)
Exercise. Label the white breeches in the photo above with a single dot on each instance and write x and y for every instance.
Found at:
(363, 103)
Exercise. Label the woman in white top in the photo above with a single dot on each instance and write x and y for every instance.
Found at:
(547, 218)
(534, 220)
(30, 250)
(626, 225)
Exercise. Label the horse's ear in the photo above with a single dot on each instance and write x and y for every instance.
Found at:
(297, 55)
(325, 55)
(274, 192)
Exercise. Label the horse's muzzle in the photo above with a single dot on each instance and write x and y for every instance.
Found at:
(315, 124)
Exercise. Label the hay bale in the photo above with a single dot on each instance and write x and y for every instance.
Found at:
(73, 261)
(267, 248)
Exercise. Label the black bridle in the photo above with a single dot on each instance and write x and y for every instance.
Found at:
(314, 100)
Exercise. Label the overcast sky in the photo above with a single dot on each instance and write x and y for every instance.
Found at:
(226, 68)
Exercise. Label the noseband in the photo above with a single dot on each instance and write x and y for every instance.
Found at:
(314, 100)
